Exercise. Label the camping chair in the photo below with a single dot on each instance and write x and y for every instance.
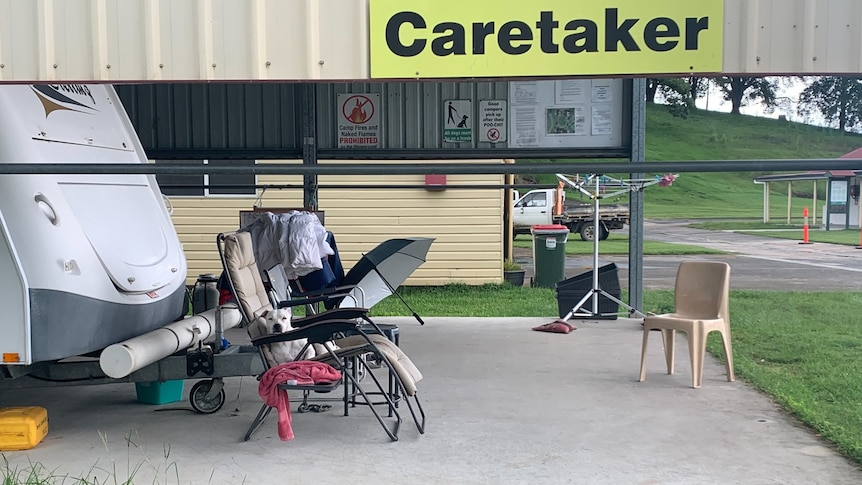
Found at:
(403, 374)
(701, 301)
(243, 276)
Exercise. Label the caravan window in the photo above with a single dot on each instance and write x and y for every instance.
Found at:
(206, 184)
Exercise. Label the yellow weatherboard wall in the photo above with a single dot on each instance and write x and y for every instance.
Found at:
(454, 38)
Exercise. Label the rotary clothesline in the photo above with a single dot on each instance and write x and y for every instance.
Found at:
(596, 183)
(603, 182)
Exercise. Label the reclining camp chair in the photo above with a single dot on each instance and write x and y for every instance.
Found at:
(243, 276)
(403, 374)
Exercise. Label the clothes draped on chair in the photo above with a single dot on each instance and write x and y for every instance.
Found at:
(295, 239)
(330, 275)
(304, 372)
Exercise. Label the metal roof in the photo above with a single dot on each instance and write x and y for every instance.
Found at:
(269, 40)
(815, 174)
(812, 175)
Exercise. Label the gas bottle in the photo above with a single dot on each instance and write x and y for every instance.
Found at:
(205, 294)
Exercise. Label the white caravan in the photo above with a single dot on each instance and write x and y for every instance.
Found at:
(86, 260)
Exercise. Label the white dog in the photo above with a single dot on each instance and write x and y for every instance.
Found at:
(278, 321)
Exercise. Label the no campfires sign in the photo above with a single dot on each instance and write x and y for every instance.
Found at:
(358, 120)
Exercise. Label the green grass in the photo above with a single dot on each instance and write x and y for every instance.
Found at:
(739, 225)
(461, 300)
(619, 244)
(806, 355)
(719, 136)
(849, 237)
(803, 349)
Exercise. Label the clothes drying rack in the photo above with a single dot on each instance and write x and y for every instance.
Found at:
(596, 187)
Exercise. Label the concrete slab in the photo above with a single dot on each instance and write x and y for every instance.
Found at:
(504, 405)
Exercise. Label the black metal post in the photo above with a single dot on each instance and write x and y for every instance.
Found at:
(308, 130)
(636, 198)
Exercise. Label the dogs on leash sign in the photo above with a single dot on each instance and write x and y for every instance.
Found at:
(458, 123)
(358, 120)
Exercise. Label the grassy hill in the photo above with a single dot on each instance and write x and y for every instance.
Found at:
(707, 135)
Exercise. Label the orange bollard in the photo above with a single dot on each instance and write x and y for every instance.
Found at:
(805, 227)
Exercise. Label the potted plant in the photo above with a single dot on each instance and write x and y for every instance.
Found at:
(513, 272)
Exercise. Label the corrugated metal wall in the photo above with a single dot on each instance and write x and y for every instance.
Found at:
(217, 120)
(205, 40)
(793, 36)
(261, 120)
(111, 40)
(413, 111)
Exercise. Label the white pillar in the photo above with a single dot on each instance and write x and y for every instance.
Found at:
(814, 206)
(789, 196)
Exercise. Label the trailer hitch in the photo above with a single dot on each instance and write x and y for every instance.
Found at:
(200, 360)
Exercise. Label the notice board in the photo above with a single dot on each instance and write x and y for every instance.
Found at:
(570, 113)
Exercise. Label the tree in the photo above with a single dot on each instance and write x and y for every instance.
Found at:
(667, 87)
(679, 93)
(837, 99)
(697, 87)
(651, 89)
(740, 90)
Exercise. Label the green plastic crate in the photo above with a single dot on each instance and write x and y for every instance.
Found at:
(155, 392)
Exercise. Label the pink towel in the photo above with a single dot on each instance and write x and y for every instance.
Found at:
(303, 372)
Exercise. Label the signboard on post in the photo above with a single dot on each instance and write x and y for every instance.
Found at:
(457, 125)
(838, 196)
(492, 121)
(358, 120)
(457, 39)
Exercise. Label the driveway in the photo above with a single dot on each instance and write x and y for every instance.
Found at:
(757, 263)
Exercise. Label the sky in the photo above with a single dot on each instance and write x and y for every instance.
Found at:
(788, 97)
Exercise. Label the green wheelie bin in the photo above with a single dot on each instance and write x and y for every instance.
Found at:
(549, 254)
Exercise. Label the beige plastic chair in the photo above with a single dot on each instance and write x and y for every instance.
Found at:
(701, 295)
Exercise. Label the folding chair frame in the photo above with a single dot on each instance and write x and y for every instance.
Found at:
(320, 332)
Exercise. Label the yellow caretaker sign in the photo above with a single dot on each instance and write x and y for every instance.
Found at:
(508, 38)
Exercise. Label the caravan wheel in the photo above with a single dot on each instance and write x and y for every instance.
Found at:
(199, 400)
